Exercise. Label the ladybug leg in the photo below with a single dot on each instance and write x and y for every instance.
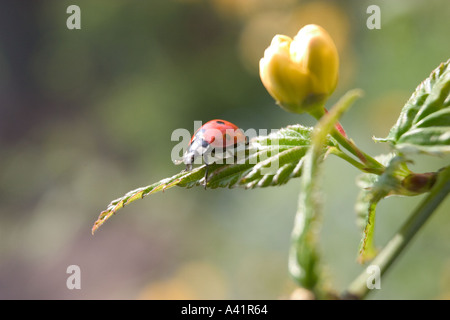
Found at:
(206, 159)
(206, 174)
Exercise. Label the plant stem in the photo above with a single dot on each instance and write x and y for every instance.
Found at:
(370, 164)
(358, 289)
(352, 161)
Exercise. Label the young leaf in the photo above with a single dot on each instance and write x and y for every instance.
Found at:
(304, 256)
(269, 161)
(365, 208)
(374, 188)
(424, 122)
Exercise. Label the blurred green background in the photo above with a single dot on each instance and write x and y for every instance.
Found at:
(87, 115)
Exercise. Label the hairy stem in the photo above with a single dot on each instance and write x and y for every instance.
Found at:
(369, 164)
(352, 161)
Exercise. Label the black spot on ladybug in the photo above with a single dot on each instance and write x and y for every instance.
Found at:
(205, 143)
(220, 122)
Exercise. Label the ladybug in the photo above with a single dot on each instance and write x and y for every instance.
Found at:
(213, 137)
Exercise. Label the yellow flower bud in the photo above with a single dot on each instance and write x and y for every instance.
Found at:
(300, 73)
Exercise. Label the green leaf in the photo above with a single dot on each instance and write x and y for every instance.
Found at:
(269, 161)
(374, 188)
(424, 122)
(365, 208)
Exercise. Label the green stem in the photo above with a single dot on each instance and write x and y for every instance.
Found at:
(358, 289)
(346, 157)
(370, 164)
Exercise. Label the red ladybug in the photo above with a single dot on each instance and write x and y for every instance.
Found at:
(215, 135)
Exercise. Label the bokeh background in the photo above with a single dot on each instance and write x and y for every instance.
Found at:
(87, 115)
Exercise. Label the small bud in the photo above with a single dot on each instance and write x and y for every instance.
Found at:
(300, 73)
(419, 182)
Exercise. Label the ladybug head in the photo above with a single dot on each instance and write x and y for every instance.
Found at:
(188, 159)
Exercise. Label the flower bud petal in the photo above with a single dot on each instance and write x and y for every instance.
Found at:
(315, 50)
(284, 80)
(300, 73)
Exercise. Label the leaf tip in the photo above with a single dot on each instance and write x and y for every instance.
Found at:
(104, 215)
